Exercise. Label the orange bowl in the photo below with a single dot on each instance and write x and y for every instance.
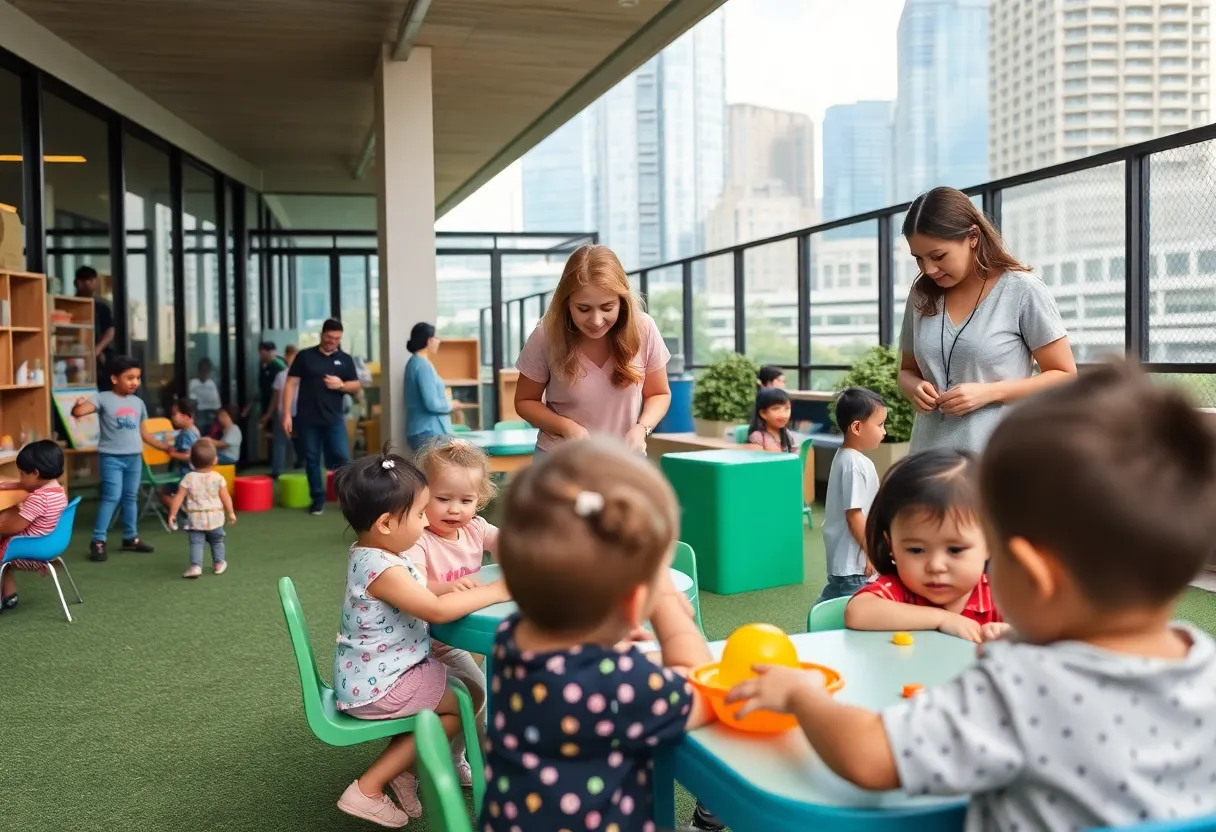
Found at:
(706, 679)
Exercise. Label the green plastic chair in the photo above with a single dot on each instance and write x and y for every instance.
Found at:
(827, 615)
(461, 429)
(150, 484)
(741, 434)
(512, 424)
(333, 727)
(437, 782)
(804, 450)
(686, 561)
(293, 491)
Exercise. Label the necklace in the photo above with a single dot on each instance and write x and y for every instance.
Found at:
(948, 359)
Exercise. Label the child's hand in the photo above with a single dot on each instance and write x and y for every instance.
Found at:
(996, 630)
(775, 688)
(232, 517)
(961, 627)
(463, 584)
(173, 524)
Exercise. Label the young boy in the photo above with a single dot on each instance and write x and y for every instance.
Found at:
(182, 416)
(120, 454)
(1098, 500)
(40, 465)
(771, 375)
(852, 484)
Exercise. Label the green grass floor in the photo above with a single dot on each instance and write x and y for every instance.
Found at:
(174, 704)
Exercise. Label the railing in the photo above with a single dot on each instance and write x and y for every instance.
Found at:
(1125, 240)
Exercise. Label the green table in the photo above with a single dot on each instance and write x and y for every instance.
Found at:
(509, 450)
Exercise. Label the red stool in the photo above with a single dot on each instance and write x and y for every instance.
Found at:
(253, 494)
(330, 495)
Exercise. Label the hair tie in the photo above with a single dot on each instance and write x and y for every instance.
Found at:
(387, 464)
(588, 503)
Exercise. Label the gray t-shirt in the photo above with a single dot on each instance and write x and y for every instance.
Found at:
(1017, 317)
(852, 483)
(1066, 736)
(120, 418)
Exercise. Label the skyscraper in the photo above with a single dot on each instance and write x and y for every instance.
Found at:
(766, 145)
(560, 178)
(941, 110)
(856, 158)
(1093, 76)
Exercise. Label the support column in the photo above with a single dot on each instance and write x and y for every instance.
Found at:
(405, 159)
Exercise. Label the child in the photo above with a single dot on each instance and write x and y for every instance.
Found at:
(861, 416)
(182, 416)
(588, 539)
(383, 667)
(40, 465)
(120, 454)
(205, 495)
(206, 395)
(453, 546)
(924, 537)
(770, 421)
(1098, 501)
(229, 438)
(771, 376)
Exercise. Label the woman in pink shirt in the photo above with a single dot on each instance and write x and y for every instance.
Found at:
(596, 363)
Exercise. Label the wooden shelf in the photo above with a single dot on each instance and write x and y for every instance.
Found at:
(20, 329)
(461, 382)
(72, 326)
(21, 386)
(24, 408)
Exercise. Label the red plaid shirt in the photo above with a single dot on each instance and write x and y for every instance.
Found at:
(980, 607)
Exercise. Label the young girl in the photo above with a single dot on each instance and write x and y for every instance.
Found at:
(769, 428)
(586, 547)
(205, 494)
(924, 537)
(383, 667)
(453, 545)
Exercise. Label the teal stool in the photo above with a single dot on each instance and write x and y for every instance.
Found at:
(293, 491)
(742, 515)
(827, 615)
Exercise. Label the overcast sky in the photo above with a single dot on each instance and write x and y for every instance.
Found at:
(801, 55)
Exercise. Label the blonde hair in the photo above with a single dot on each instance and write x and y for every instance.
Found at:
(584, 526)
(457, 453)
(595, 266)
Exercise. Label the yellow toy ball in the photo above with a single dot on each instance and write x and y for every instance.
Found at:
(902, 639)
(754, 644)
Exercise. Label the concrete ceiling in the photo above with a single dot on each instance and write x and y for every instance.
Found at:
(287, 84)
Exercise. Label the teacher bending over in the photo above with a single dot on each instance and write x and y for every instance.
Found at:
(596, 363)
(976, 322)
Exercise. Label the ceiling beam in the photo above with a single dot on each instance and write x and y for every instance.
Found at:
(409, 27)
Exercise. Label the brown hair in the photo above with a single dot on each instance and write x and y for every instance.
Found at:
(1115, 475)
(949, 214)
(202, 453)
(458, 453)
(567, 569)
(594, 266)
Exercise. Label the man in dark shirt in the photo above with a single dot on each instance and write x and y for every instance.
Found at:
(103, 322)
(269, 368)
(322, 375)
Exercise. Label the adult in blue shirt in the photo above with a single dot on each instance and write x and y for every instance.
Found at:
(427, 409)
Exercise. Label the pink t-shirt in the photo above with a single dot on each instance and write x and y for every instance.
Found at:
(592, 400)
(450, 560)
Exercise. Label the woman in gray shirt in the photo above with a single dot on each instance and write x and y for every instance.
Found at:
(976, 322)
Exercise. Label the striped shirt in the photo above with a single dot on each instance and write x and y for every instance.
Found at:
(42, 510)
(980, 607)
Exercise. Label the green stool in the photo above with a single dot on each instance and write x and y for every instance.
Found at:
(293, 491)
(747, 507)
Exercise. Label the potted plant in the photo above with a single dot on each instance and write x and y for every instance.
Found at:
(878, 370)
(724, 395)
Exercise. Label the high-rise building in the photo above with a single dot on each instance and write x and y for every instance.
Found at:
(941, 111)
(766, 145)
(560, 178)
(1075, 79)
(856, 158)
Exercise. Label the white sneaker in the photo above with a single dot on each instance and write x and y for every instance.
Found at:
(405, 786)
(464, 771)
(221, 567)
(376, 809)
(193, 572)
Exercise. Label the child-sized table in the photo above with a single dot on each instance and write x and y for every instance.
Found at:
(760, 782)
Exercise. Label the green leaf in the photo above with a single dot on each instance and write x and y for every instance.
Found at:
(726, 390)
(878, 370)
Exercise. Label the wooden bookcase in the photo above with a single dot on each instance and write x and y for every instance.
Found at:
(458, 362)
(25, 409)
(72, 342)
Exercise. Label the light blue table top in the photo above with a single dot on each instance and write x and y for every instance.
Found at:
(475, 632)
(874, 672)
(503, 442)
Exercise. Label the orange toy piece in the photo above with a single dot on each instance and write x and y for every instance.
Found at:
(754, 644)
(902, 639)
(708, 682)
(911, 690)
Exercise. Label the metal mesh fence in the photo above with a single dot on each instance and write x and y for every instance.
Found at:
(844, 293)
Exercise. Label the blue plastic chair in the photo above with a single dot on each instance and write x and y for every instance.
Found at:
(48, 549)
(827, 615)
(1204, 824)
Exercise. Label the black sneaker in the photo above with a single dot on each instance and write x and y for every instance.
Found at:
(136, 544)
(316, 509)
(702, 819)
(7, 602)
(97, 551)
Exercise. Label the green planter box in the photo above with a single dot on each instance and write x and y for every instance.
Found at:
(741, 511)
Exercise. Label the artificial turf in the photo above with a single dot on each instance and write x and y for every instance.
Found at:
(175, 705)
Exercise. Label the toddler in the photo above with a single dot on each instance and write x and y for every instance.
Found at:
(205, 495)
(852, 485)
(586, 547)
(453, 545)
(121, 416)
(40, 465)
(1097, 499)
(770, 421)
(383, 668)
(924, 537)
(182, 416)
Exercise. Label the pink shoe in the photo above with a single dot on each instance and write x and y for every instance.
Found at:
(464, 771)
(379, 810)
(221, 567)
(405, 786)
(192, 571)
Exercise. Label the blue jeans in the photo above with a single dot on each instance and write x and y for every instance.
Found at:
(318, 439)
(841, 586)
(214, 538)
(278, 448)
(119, 484)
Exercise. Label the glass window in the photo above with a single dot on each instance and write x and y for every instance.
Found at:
(10, 143)
(1093, 271)
(1178, 263)
(202, 294)
(353, 275)
(1068, 273)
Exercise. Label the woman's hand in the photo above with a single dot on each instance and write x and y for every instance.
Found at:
(572, 430)
(966, 398)
(635, 440)
(924, 397)
(960, 626)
